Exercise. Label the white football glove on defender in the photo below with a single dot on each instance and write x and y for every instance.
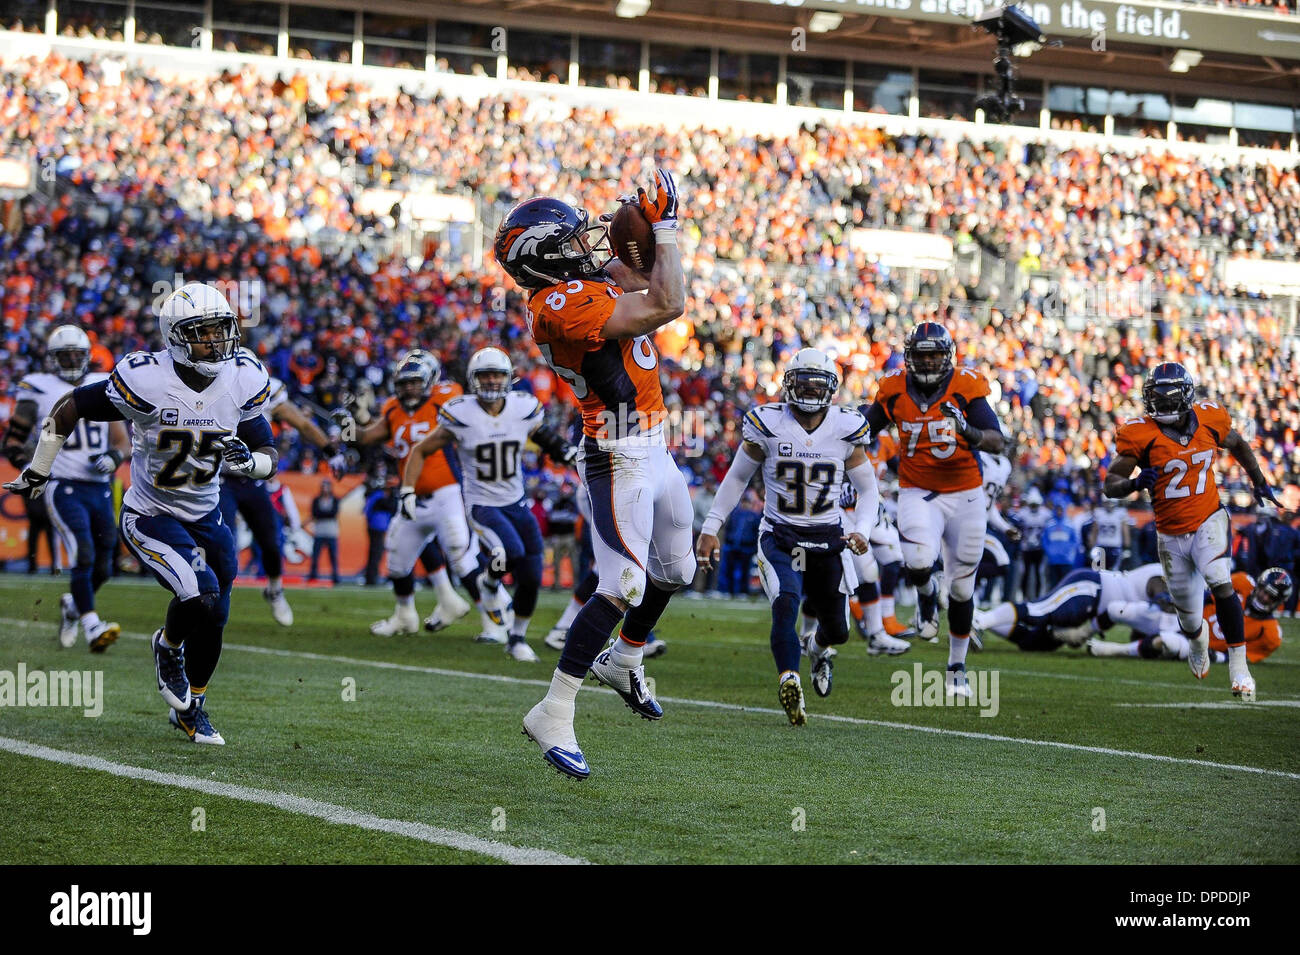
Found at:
(407, 500)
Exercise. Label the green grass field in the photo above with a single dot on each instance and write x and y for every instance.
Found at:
(427, 764)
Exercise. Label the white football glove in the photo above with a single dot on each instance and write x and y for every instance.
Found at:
(236, 456)
(407, 502)
(28, 484)
(106, 463)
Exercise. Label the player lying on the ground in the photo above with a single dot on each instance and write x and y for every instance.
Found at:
(1262, 601)
(1074, 610)
(489, 429)
(1175, 445)
(80, 500)
(194, 407)
(807, 450)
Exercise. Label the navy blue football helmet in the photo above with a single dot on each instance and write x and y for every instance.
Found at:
(1168, 393)
(545, 242)
(927, 353)
(1270, 593)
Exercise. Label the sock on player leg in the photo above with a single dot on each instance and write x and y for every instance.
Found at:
(519, 629)
(591, 628)
(563, 690)
(641, 619)
(957, 647)
(442, 585)
(1000, 619)
(570, 612)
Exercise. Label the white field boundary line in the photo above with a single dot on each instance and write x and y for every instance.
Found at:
(1012, 671)
(739, 708)
(1199, 705)
(298, 805)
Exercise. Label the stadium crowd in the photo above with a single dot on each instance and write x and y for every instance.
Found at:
(235, 178)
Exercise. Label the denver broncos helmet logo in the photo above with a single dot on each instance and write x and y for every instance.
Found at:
(524, 241)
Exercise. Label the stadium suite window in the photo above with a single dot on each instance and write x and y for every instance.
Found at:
(464, 48)
(25, 16)
(815, 81)
(239, 14)
(680, 69)
(414, 30)
(614, 64)
(394, 57)
(541, 56)
(748, 77)
(102, 19)
(1078, 108)
(1202, 120)
(227, 40)
(1263, 123)
(1140, 114)
(169, 24)
(881, 89)
(944, 95)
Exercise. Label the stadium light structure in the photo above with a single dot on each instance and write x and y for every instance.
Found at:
(629, 9)
(824, 22)
(1184, 60)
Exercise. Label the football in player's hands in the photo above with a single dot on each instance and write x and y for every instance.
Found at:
(1146, 479)
(28, 484)
(632, 239)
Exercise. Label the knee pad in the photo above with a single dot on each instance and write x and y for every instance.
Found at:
(962, 589)
(917, 576)
(630, 586)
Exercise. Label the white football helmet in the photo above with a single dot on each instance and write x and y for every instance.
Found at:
(811, 380)
(68, 348)
(1097, 558)
(198, 314)
(1034, 497)
(417, 371)
(489, 360)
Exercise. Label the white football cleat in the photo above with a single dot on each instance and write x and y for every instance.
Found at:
(883, 643)
(447, 612)
(550, 726)
(654, 648)
(68, 621)
(1198, 652)
(790, 693)
(555, 639)
(629, 683)
(280, 608)
(101, 636)
(1243, 687)
(956, 684)
(496, 600)
(521, 651)
(492, 632)
(404, 620)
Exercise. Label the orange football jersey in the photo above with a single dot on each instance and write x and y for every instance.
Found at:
(1262, 636)
(1186, 493)
(616, 381)
(930, 455)
(408, 430)
(886, 448)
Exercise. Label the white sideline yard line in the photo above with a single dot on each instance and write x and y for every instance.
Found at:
(298, 805)
(764, 710)
(1222, 705)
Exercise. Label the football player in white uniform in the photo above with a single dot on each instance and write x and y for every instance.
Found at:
(194, 406)
(1075, 609)
(869, 616)
(252, 499)
(489, 428)
(1111, 531)
(807, 450)
(80, 500)
(1032, 517)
